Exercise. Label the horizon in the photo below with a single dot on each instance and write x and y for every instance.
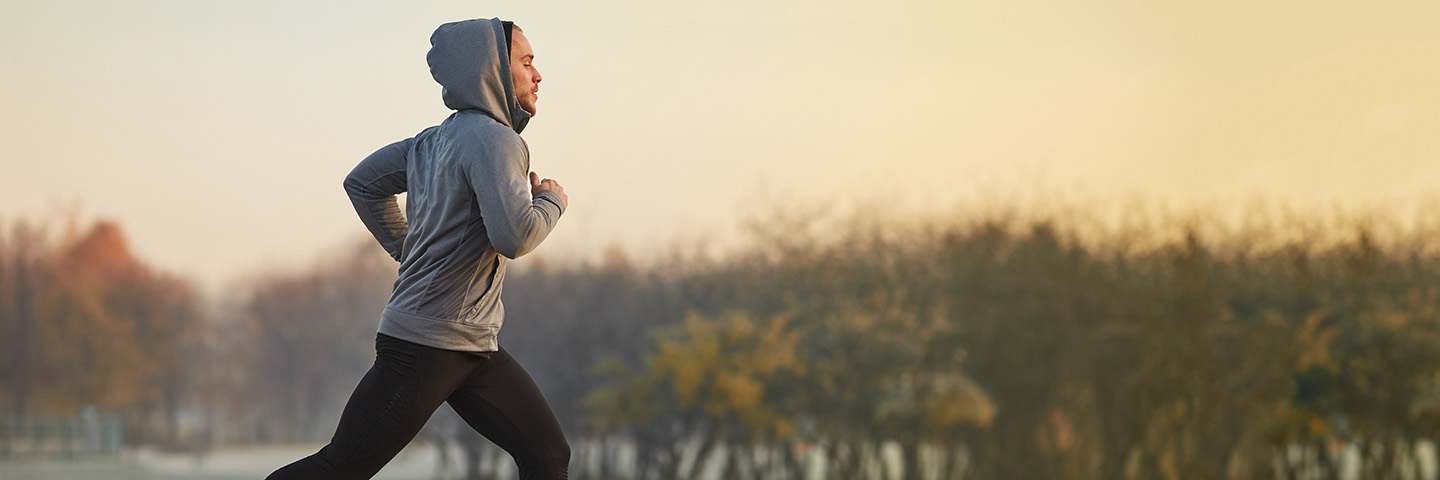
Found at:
(1130, 223)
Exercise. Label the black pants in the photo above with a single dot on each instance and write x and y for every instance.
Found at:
(407, 383)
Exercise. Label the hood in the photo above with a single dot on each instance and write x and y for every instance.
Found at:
(471, 62)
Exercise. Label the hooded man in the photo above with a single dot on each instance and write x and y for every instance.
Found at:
(471, 206)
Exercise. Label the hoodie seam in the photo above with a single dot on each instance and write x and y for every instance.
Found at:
(366, 185)
(450, 256)
(482, 326)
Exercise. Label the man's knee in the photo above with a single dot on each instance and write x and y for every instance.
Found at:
(557, 457)
(548, 463)
(561, 455)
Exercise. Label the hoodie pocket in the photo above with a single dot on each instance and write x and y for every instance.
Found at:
(484, 288)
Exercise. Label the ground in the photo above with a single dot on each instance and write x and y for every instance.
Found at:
(236, 463)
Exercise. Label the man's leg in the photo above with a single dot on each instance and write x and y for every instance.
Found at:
(501, 402)
(394, 399)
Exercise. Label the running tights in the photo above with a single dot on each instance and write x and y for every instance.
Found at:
(407, 383)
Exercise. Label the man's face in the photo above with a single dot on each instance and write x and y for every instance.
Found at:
(523, 72)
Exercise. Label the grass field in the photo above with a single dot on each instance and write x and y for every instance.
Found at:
(415, 463)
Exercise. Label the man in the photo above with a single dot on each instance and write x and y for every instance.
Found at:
(470, 207)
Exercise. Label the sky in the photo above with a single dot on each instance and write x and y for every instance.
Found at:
(217, 133)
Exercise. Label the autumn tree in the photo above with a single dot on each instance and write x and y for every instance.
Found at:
(99, 328)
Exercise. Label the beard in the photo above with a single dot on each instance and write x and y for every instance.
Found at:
(528, 106)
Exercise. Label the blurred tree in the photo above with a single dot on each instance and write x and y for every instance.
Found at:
(706, 382)
(1002, 347)
(99, 326)
(22, 278)
(311, 338)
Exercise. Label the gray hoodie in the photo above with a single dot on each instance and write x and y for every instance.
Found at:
(469, 206)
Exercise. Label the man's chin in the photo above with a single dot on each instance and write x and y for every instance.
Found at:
(528, 108)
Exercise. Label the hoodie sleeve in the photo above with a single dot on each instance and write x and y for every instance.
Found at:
(515, 221)
(372, 187)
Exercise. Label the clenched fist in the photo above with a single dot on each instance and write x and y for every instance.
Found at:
(536, 185)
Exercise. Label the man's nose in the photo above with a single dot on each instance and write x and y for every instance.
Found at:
(538, 78)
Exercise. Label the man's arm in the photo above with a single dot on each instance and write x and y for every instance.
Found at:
(515, 221)
(372, 187)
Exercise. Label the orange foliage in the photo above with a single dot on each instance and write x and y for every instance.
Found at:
(104, 330)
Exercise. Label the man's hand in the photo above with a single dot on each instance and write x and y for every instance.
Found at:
(536, 185)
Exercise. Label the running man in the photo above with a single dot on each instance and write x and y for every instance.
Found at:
(471, 206)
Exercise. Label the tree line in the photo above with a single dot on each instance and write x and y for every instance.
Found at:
(999, 345)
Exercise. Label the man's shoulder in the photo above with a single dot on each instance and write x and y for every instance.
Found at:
(475, 139)
(474, 125)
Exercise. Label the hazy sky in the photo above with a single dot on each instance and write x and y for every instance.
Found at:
(218, 132)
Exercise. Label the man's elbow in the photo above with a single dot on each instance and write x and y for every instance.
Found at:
(519, 240)
(512, 253)
(513, 247)
(510, 248)
(353, 185)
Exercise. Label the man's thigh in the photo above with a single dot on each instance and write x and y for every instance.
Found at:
(503, 403)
